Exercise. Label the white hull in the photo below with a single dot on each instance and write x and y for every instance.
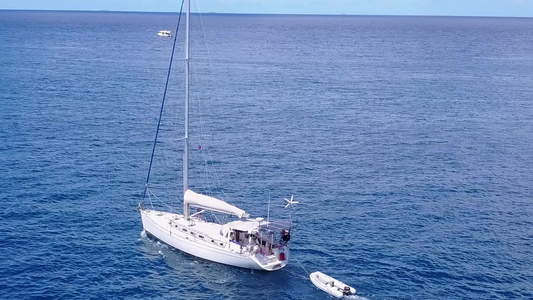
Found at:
(164, 33)
(170, 229)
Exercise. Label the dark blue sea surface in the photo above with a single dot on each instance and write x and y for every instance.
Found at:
(408, 142)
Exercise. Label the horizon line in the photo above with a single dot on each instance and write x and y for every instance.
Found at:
(266, 14)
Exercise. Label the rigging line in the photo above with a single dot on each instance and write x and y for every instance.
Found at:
(205, 185)
(163, 102)
(157, 198)
(150, 198)
(214, 174)
(209, 186)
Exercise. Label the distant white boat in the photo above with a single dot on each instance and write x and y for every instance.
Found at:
(332, 286)
(165, 33)
(253, 243)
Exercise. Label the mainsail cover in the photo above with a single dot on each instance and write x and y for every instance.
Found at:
(210, 203)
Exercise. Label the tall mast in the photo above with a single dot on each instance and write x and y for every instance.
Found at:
(186, 139)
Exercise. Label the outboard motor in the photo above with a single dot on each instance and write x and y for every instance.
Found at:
(347, 290)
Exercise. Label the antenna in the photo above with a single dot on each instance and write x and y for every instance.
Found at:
(268, 210)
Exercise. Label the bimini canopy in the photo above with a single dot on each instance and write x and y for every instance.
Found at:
(193, 199)
(251, 225)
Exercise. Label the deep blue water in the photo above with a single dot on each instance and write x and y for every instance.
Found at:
(407, 140)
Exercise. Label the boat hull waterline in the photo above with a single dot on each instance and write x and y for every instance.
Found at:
(169, 229)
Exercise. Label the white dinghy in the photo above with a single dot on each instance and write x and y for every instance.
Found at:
(332, 286)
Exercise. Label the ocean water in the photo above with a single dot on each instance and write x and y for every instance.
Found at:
(408, 142)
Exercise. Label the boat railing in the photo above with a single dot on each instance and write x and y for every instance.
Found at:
(199, 235)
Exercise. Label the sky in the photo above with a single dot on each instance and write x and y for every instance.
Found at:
(502, 8)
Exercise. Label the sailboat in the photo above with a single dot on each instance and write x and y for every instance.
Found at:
(253, 243)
